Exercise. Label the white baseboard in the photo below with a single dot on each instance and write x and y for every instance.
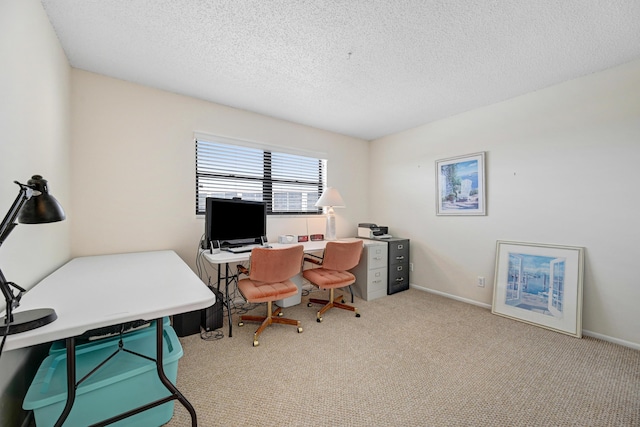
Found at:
(611, 339)
(602, 337)
(457, 298)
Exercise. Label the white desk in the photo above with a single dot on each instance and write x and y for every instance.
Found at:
(98, 291)
(224, 257)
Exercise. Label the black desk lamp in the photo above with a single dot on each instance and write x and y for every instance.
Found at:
(34, 205)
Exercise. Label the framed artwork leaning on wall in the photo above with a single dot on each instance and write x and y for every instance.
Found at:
(540, 284)
(461, 185)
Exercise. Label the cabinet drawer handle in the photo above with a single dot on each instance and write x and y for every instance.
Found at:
(400, 279)
(400, 257)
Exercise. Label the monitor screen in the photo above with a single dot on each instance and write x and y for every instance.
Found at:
(234, 221)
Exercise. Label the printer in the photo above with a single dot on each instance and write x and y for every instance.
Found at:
(373, 231)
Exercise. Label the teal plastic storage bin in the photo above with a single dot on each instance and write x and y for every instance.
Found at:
(125, 382)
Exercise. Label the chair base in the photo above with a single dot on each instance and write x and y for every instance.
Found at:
(333, 301)
(265, 321)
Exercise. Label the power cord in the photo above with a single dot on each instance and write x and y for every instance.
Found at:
(8, 310)
(4, 338)
(211, 335)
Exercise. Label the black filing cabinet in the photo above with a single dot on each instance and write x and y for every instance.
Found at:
(398, 266)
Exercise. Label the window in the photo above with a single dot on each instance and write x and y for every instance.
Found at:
(288, 183)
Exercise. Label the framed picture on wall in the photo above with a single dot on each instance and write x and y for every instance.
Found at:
(540, 284)
(461, 186)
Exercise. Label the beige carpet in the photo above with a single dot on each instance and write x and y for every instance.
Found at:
(412, 359)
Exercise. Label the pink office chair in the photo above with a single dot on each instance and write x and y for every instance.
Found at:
(337, 259)
(269, 280)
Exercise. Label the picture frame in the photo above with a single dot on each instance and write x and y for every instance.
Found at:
(540, 284)
(460, 185)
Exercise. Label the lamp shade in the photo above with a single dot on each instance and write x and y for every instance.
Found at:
(42, 207)
(330, 198)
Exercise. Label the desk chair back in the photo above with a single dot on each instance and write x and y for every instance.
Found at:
(275, 265)
(342, 255)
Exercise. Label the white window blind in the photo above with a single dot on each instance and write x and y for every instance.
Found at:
(288, 183)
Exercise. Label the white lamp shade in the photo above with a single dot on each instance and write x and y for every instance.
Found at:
(330, 198)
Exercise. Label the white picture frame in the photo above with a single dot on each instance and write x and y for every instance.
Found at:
(540, 284)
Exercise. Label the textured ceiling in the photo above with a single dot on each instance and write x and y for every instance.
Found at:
(365, 68)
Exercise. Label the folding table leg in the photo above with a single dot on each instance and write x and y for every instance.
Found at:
(71, 380)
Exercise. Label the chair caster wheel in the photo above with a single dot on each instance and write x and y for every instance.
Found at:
(343, 301)
(256, 343)
(309, 304)
(357, 314)
(240, 324)
(319, 320)
(280, 314)
(300, 330)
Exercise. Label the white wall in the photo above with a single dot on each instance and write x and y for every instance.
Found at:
(34, 139)
(133, 166)
(561, 168)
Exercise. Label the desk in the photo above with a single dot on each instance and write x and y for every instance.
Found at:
(227, 258)
(98, 291)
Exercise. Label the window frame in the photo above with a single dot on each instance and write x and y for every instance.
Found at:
(268, 181)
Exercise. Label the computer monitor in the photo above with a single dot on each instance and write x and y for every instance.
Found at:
(230, 222)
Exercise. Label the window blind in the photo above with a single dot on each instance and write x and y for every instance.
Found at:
(288, 183)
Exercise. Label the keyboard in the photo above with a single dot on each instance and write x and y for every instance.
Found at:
(242, 249)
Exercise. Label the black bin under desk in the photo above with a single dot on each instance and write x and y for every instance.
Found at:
(209, 319)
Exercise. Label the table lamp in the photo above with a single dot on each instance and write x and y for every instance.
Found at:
(33, 205)
(330, 199)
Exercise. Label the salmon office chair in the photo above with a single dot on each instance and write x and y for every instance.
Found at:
(338, 257)
(269, 280)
